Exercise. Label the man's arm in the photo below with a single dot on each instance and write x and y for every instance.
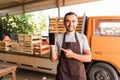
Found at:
(53, 53)
(85, 57)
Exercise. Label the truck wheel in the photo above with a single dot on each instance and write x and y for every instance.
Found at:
(102, 71)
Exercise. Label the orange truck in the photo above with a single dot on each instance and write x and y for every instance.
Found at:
(103, 33)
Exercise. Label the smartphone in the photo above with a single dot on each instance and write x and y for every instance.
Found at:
(52, 38)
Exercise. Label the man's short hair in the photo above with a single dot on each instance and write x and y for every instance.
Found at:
(70, 13)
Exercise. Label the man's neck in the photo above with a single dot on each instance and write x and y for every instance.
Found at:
(67, 32)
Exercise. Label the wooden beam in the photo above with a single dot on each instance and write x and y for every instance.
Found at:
(73, 2)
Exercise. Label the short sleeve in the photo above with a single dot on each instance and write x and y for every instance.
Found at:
(85, 43)
(58, 42)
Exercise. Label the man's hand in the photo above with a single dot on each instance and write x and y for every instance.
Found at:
(68, 53)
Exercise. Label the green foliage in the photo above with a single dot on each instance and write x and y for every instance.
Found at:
(41, 22)
(23, 23)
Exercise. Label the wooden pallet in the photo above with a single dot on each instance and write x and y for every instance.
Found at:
(57, 27)
(26, 61)
(29, 62)
(2, 57)
(11, 58)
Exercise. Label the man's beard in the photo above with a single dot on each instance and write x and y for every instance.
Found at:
(70, 30)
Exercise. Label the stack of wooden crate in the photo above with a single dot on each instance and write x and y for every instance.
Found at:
(57, 26)
(30, 40)
(30, 44)
(26, 42)
(21, 39)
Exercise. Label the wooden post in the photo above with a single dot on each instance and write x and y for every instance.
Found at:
(58, 5)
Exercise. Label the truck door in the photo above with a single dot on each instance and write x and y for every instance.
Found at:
(105, 47)
(106, 40)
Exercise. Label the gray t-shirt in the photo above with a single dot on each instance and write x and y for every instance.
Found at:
(71, 38)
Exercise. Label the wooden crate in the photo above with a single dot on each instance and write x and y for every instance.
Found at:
(5, 45)
(21, 47)
(5, 48)
(15, 47)
(21, 38)
(30, 43)
(30, 40)
(29, 49)
(31, 37)
(41, 49)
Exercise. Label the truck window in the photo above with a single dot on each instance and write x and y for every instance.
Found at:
(109, 28)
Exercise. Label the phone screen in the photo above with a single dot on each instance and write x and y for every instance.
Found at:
(51, 38)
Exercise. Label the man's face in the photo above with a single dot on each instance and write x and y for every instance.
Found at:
(70, 23)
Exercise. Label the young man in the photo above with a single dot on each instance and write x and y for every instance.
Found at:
(71, 49)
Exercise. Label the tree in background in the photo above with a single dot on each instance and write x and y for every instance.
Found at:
(23, 23)
(41, 21)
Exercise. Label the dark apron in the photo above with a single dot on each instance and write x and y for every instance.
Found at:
(69, 68)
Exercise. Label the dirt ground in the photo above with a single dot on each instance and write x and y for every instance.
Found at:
(22, 74)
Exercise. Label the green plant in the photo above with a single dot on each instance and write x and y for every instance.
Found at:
(23, 23)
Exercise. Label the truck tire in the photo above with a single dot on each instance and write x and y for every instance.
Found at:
(102, 71)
